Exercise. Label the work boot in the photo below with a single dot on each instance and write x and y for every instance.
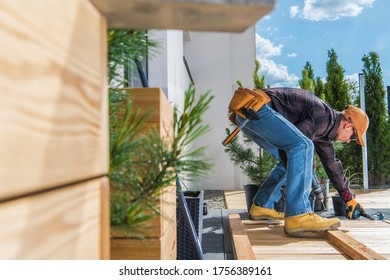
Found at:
(261, 213)
(296, 225)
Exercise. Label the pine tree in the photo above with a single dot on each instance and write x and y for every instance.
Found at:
(319, 89)
(306, 82)
(378, 132)
(338, 96)
(336, 88)
(310, 70)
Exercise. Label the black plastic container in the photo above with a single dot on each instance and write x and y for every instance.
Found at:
(339, 206)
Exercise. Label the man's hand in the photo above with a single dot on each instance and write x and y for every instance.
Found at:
(354, 209)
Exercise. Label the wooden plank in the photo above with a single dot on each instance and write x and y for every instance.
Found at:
(352, 247)
(105, 219)
(57, 224)
(154, 241)
(373, 234)
(209, 15)
(169, 238)
(153, 100)
(159, 224)
(235, 199)
(136, 249)
(269, 241)
(305, 256)
(241, 246)
(53, 95)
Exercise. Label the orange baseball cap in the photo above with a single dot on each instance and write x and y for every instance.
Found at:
(360, 121)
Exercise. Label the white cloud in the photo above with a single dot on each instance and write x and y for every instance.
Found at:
(275, 74)
(294, 10)
(317, 10)
(353, 77)
(292, 55)
(265, 48)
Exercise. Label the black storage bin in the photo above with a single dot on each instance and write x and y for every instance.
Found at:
(185, 248)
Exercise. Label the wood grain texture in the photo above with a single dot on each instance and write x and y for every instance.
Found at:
(159, 224)
(157, 236)
(161, 118)
(53, 100)
(353, 248)
(58, 224)
(269, 242)
(105, 219)
(154, 101)
(136, 249)
(156, 239)
(373, 234)
(235, 199)
(242, 247)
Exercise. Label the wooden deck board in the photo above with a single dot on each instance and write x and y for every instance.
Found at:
(241, 245)
(235, 200)
(353, 248)
(269, 242)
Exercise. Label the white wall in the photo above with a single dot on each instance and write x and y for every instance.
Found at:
(216, 61)
(166, 67)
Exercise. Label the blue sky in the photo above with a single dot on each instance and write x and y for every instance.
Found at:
(297, 31)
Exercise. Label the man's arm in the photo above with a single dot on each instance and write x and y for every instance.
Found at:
(333, 168)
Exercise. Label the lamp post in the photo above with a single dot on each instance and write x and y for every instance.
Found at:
(364, 149)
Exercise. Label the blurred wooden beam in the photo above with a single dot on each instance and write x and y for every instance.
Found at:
(195, 15)
(242, 248)
(353, 248)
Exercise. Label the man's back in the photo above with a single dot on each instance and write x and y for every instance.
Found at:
(313, 116)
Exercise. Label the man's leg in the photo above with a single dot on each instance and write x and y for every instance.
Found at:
(272, 129)
(269, 192)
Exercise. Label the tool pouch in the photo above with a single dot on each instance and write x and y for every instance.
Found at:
(245, 98)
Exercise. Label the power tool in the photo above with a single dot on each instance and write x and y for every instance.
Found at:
(378, 216)
(354, 211)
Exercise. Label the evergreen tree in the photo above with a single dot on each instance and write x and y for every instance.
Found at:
(258, 82)
(338, 96)
(310, 71)
(319, 88)
(378, 132)
(336, 88)
(306, 82)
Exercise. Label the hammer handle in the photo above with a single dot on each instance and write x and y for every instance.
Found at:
(235, 131)
(231, 136)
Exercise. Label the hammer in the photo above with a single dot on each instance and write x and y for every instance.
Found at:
(250, 115)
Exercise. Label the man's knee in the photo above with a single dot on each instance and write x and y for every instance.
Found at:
(305, 146)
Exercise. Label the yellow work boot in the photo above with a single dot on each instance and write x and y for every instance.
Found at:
(296, 225)
(261, 213)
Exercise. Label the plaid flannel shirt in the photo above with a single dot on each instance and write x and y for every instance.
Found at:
(319, 122)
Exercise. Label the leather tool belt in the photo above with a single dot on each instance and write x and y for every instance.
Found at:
(244, 100)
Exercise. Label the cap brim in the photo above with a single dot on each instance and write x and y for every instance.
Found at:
(360, 139)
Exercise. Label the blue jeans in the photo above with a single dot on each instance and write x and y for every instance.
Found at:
(273, 133)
